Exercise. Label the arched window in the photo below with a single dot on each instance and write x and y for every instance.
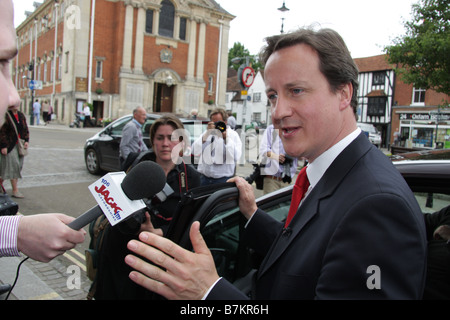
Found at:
(166, 19)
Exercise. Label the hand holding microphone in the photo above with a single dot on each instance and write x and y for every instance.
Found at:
(120, 195)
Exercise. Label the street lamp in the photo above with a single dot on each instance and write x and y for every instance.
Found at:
(283, 9)
(31, 69)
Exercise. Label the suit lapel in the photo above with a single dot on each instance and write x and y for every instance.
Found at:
(324, 188)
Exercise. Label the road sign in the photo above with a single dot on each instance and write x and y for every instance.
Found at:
(35, 85)
(248, 76)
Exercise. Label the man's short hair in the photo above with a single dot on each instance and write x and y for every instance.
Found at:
(335, 60)
(219, 111)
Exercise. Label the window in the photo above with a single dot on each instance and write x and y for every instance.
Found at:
(418, 96)
(38, 67)
(183, 22)
(59, 67)
(52, 68)
(166, 19)
(99, 69)
(257, 97)
(379, 77)
(66, 67)
(210, 83)
(376, 106)
(149, 21)
(45, 71)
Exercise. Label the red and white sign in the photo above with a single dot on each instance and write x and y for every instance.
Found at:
(248, 76)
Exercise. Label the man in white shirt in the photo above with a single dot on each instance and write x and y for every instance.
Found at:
(219, 148)
(37, 111)
(87, 116)
(358, 233)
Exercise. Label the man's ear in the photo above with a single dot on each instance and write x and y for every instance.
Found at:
(346, 93)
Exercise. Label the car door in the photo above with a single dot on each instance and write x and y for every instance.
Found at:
(109, 144)
(218, 211)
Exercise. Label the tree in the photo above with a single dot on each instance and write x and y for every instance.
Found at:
(239, 51)
(422, 56)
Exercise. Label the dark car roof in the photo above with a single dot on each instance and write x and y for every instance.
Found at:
(426, 175)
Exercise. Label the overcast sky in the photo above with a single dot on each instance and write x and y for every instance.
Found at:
(366, 26)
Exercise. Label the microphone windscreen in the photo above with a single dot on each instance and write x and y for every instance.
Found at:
(144, 180)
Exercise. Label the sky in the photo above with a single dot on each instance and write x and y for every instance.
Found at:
(366, 26)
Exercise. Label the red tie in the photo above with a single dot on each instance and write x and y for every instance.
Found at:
(300, 187)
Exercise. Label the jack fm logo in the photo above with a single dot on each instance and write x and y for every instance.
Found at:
(109, 200)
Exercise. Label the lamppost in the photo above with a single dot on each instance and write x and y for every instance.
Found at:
(31, 69)
(283, 9)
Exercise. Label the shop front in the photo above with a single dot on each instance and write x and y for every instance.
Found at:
(421, 129)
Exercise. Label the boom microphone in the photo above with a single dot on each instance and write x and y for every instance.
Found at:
(119, 195)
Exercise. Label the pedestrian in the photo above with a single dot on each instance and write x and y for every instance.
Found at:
(45, 111)
(277, 167)
(37, 111)
(132, 142)
(231, 121)
(219, 148)
(14, 128)
(87, 116)
(41, 237)
(112, 274)
(358, 231)
(50, 114)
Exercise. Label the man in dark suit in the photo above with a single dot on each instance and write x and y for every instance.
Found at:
(358, 233)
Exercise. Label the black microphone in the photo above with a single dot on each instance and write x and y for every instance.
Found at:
(143, 181)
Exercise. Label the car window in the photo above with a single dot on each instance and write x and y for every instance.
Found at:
(431, 202)
(195, 129)
(234, 259)
(146, 127)
(117, 127)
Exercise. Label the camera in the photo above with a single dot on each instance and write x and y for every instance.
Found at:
(220, 125)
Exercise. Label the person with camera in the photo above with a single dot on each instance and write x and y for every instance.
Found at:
(219, 149)
(277, 167)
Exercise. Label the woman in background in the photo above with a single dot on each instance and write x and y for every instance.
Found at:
(11, 161)
(113, 281)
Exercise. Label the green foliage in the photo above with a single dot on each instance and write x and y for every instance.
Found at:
(239, 51)
(422, 55)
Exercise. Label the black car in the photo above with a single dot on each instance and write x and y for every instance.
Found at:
(101, 152)
(224, 224)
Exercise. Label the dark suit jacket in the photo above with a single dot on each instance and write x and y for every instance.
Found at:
(360, 214)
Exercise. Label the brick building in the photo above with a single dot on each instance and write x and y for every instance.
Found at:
(164, 55)
(391, 105)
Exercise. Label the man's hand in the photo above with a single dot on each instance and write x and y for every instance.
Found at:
(247, 202)
(442, 233)
(43, 237)
(181, 274)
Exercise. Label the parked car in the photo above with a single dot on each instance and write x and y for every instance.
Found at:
(224, 224)
(371, 132)
(101, 152)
